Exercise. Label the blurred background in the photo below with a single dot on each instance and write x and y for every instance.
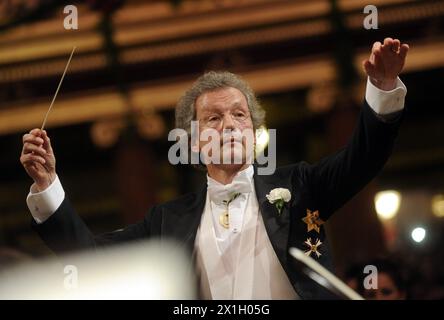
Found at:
(134, 59)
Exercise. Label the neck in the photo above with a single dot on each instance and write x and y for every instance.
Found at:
(225, 173)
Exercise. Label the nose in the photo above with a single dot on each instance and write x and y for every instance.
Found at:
(228, 122)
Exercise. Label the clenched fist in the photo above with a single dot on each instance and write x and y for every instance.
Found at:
(38, 158)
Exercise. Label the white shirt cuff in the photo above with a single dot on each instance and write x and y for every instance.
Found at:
(43, 204)
(385, 102)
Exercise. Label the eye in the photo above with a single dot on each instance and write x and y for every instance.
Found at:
(386, 291)
(213, 118)
(239, 114)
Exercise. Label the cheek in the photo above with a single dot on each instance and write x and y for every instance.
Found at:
(204, 140)
(248, 124)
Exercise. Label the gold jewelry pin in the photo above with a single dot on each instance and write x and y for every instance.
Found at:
(58, 88)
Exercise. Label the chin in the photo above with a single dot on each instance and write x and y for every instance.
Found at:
(236, 154)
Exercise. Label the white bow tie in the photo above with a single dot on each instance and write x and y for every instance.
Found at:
(219, 192)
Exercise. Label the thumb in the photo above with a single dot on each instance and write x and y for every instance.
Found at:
(368, 67)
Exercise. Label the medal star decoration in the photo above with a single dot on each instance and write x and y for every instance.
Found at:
(278, 197)
(312, 247)
(313, 221)
(224, 218)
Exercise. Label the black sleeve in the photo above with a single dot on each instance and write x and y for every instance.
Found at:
(337, 178)
(65, 231)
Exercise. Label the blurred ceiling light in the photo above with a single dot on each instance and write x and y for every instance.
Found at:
(438, 206)
(322, 97)
(106, 133)
(150, 125)
(387, 203)
(418, 234)
(262, 138)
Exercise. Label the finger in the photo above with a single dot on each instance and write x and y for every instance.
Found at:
(377, 52)
(47, 142)
(33, 170)
(30, 159)
(376, 49)
(29, 138)
(368, 67)
(36, 132)
(378, 59)
(388, 42)
(388, 45)
(376, 46)
(31, 148)
(396, 45)
(403, 50)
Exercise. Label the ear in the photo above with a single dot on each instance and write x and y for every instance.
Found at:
(194, 148)
(194, 136)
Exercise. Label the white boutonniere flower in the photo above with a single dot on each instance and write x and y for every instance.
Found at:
(279, 197)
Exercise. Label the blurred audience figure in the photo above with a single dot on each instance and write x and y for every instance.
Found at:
(390, 285)
(354, 276)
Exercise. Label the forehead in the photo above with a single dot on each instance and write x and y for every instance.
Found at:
(385, 279)
(220, 99)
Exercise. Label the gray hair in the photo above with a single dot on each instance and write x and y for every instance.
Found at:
(210, 81)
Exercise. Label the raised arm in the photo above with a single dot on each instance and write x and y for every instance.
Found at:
(338, 177)
(54, 218)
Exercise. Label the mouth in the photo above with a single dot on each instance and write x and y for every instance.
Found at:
(231, 141)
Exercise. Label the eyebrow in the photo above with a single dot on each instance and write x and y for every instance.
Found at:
(236, 104)
(217, 108)
(206, 111)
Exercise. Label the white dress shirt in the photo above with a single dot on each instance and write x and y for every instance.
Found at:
(241, 264)
(242, 183)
